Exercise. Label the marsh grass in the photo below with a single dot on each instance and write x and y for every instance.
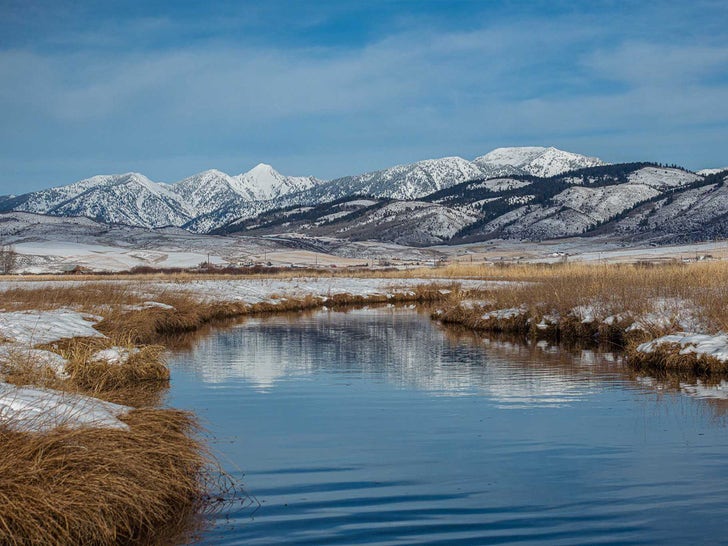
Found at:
(21, 368)
(621, 292)
(127, 320)
(104, 486)
(667, 356)
(145, 366)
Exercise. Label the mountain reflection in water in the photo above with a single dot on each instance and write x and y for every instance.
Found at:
(378, 426)
(395, 350)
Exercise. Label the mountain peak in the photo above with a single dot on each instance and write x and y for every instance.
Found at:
(535, 160)
(262, 168)
(213, 172)
(263, 182)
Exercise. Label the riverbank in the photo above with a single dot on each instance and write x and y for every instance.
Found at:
(669, 317)
(87, 452)
(68, 339)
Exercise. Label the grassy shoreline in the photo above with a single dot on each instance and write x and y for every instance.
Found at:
(619, 306)
(145, 484)
(623, 306)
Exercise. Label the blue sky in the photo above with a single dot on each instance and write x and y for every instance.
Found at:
(330, 88)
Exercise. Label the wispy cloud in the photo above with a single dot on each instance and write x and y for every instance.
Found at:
(333, 107)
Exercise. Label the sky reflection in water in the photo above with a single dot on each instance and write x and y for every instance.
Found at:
(380, 427)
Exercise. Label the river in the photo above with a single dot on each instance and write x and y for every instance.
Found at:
(379, 426)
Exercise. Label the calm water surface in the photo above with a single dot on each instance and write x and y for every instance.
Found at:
(378, 426)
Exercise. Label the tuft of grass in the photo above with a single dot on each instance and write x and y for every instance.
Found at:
(97, 376)
(102, 486)
(667, 357)
(622, 292)
(139, 377)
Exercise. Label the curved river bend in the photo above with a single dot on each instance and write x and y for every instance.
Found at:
(378, 426)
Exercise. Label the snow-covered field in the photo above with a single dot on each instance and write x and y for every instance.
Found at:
(47, 244)
(39, 327)
(39, 410)
(60, 256)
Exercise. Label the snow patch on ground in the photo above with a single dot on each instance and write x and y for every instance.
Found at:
(667, 312)
(114, 355)
(262, 290)
(37, 327)
(587, 313)
(707, 172)
(505, 314)
(40, 410)
(472, 304)
(147, 305)
(715, 346)
(16, 354)
(548, 320)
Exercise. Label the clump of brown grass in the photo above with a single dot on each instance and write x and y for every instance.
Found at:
(667, 357)
(103, 486)
(144, 370)
(144, 366)
(89, 296)
(622, 292)
(423, 293)
(145, 325)
(20, 368)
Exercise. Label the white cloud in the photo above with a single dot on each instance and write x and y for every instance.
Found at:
(456, 92)
(645, 64)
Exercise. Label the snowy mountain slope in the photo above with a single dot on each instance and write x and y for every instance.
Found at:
(501, 184)
(535, 160)
(514, 156)
(523, 207)
(400, 182)
(208, 191)
(297, 218)
(416, 180)
(455, 199)
(263, 183)
(414, 223)
(129, 198)
(663, 178)
(233, 211)
(696, 213)
(133, 199)
(571, 212)
(708, 172)
(574, 203)
(402, 222)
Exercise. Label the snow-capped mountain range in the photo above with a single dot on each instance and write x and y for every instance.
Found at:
(638, 201)
(518, 192)
(135, 200)
(213, 198)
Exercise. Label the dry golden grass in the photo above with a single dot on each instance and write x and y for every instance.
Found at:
(667, 357)
(90, 297)
(544, 290)
(620, 291)
(103, 486)
(97, 376)
(133, 382)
